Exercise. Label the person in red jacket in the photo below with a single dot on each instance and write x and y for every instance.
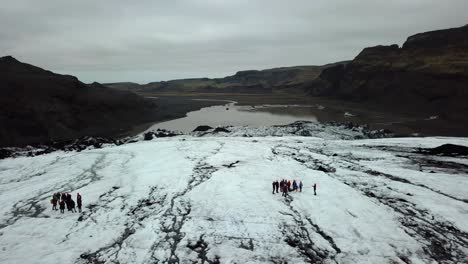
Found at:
(315, 188)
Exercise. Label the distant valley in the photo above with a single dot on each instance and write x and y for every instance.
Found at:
(277, 80)
(389, 86)
(419, 88)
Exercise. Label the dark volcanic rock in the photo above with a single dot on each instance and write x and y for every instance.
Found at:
(82, 143)
(67, 145)
(202, 129)
(148, 136)
(429, 74)
(160, 133)
(165, 133)
(40, 107)
(447, 150)
(221, 129)
(5, 153)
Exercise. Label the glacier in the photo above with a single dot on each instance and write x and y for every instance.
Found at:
(189, 199)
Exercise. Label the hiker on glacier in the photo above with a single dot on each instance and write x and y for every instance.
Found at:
(64, 197)
(67, 201)
(54, 201)
(285, 189)
(78, 201)
(71, 203)
(315, 188)
(294, 184)
(57, 196)
(300, 186)
(276, 185)
(62, 206)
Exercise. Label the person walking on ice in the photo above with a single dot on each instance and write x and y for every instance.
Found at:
(315, 188)
(285, 190)
(62, 206)
(78, 201)
(57, 197)
(54, 201)
(300, 186)
(72, 206)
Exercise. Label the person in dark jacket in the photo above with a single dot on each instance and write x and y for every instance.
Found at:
(315, 188)
(62, 206)
(54, 201)
(273, 184)
(285, 189)
(276, 186)
(78, 201)
(72, 206)
(57, 197)
(64, 197)
(300, 186)
(294, 184)
(68, 202)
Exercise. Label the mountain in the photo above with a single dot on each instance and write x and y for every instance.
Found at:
(123, 85)
(284, 79)
(209, 200)
(39, 106)
(428, 73)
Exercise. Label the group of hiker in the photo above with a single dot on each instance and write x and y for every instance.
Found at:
(65, 199)
(286, 186)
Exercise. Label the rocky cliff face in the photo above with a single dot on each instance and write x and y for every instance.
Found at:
(39, 106)
(429, 73)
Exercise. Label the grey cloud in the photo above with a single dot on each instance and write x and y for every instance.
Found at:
(147, 40)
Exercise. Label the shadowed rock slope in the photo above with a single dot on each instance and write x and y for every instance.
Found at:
(39, 106)
(429, 73)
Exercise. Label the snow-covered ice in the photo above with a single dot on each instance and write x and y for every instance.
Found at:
(209, 199)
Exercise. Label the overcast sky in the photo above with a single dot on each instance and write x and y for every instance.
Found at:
(149, 40)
